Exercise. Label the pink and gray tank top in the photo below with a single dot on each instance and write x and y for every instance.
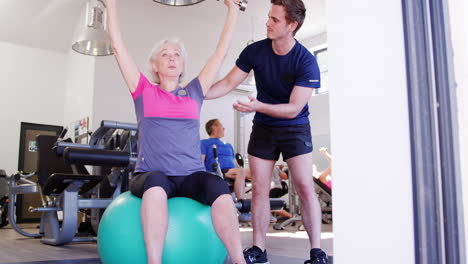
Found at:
(168, 128)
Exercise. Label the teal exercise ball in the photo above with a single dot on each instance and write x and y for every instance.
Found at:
(190, 237)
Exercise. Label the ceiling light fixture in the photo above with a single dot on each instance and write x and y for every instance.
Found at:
(178, 2)
(94, 40)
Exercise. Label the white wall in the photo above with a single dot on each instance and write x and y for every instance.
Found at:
(372, 197)
(79, 87)
(111, 98)
(79, 80)
(315, 42)
(32, 90)
(458, 10)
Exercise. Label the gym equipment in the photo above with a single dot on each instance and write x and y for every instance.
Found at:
(19, 184)
(101, 137)
(242, 205)
(190, 237)
(3, 184)
(3, 199)
(240, 160)
(216, 167)
(66, 183)
(279, 192)
(3, 211)
(324, 196)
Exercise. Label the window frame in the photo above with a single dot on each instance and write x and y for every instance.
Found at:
(315, 52)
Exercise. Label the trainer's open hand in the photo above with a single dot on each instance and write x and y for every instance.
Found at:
(247, 107)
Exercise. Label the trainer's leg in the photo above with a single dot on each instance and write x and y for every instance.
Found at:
(223, 214)
(238, 175)
(261, 178)
(154, 218)
(301, 173)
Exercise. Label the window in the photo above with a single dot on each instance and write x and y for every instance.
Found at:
(322, 59)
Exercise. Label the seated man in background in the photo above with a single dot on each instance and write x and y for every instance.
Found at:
(226, 157)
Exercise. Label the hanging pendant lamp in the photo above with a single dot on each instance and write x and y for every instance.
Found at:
(178, 2)
(93, 40)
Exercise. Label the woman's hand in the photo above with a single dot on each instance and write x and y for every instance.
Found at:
(232, 4)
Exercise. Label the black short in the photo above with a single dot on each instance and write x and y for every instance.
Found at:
(200, 186)
(268, 142)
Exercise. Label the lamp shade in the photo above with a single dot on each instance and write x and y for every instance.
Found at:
(93, 40)
(178, 2)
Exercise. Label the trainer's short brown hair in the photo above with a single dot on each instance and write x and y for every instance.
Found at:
(295, 11)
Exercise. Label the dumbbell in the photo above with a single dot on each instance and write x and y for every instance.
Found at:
(242, 5)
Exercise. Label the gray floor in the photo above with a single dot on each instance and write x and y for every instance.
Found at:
(288, 246)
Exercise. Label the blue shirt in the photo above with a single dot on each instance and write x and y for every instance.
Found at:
(276, 76)
(225, 153)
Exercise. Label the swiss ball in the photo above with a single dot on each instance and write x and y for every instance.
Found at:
(190, 237)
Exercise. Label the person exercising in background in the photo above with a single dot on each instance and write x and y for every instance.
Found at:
(226, 157)
(325, 176)
(285, 71)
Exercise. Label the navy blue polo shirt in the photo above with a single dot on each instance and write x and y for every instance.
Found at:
(276, 76)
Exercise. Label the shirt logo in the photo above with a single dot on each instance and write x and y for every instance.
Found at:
(313, 80)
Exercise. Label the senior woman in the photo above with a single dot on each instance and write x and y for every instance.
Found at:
(169, 161)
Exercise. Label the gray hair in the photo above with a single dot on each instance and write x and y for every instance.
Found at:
(158, 47)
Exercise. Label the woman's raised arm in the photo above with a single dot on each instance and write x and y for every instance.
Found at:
(126, 63)
(210, 70)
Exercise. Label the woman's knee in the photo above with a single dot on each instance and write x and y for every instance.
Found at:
(155, 192)
(223, 200)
